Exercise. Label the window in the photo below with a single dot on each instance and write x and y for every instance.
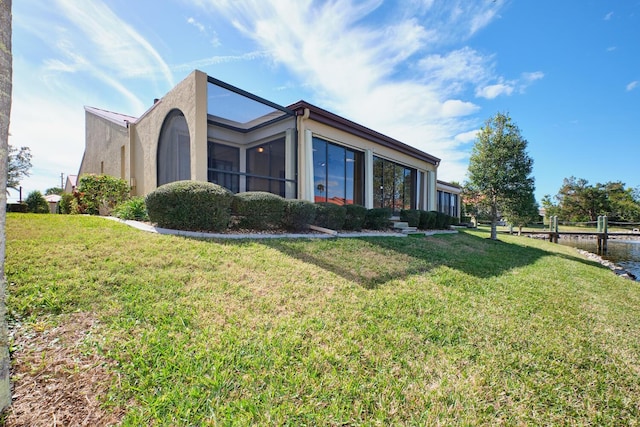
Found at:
(223, 166)
(448, 203)
(174, 148)
(266, 167)
(394, 185)
(338, 173)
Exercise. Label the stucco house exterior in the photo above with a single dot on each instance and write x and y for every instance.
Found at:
(207, 130)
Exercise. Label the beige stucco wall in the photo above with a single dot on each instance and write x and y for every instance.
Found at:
(103, 147)
(188, 96)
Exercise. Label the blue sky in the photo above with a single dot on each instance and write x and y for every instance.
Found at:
(426, 72)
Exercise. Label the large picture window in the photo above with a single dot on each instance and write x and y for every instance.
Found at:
(266, 167)
(223, 166)
(337, 173)
(174, 149)
(393, 185)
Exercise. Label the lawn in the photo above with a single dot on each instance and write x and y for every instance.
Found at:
(449, 329)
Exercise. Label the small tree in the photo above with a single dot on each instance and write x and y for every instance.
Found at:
(36, 203)
(18, 166)
(522, 211)
(499, 167)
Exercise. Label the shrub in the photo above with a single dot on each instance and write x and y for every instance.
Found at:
(66, 203)
(330, 215)
(378, 219)
(36, 203)
(427, 220)
(17, 207)
(134, 209)
(298, 214)
(258, 210)
(442, 221)
(190, 205)
(99, 194)
(355, 217)
(411, 216)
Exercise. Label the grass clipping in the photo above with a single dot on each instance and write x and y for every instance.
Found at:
(54, 381)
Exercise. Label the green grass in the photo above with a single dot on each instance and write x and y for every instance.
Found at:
(444, 330)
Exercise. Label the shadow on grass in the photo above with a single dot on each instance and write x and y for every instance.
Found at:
(374, 261)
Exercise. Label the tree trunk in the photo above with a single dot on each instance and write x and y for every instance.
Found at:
(6, 69)
(494, 221)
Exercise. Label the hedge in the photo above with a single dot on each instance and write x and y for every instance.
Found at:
(377, 219)
(330, 215)
(190, 205)
(298, 214)
(258, 210)
(355, 216)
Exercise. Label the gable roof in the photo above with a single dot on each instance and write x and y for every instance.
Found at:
(330, 119)
(117, 118)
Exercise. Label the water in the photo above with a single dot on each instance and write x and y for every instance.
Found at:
(625, 253)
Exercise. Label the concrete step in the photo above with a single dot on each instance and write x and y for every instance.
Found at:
(400, 224)
(411, 230)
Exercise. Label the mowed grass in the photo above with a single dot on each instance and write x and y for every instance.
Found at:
(443, 330)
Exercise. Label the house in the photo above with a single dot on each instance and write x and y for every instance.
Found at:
(70, 184)
(207, 130)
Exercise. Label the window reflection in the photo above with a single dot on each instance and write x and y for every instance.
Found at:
(394, 185)
(337, 173)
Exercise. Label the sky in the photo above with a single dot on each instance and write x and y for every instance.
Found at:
(426, 72)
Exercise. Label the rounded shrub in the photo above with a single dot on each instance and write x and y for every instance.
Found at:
(378, 219)
(411, 216)
(190, 205)
(355, 217)
(330, 215)
(298, 214)
(258, 210)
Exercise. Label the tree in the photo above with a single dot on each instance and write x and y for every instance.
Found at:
(578, 201)
(522, 211)
(6, 79)
(36, 203)
(19, 166)
(500, 168)
(53, 190)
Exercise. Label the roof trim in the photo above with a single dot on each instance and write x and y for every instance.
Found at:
(117, 118)
(330, 119)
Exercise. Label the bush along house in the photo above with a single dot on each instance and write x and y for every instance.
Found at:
(207, 130)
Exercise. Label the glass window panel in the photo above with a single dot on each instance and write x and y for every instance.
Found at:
(378, 184)
(320, 170)
(336, 174)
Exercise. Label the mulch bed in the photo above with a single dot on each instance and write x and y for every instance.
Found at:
(57, 380)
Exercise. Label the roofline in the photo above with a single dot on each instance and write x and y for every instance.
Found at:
(106, 115)
(330, 119)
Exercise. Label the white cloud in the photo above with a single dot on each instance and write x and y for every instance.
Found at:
(608, 16)
(115, 45)
(196, 24)
(631, 86)
(532, 77)
(353, 67)
(215, 41)
(493, 91)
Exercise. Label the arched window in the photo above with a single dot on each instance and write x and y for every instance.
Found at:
(174, 149)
